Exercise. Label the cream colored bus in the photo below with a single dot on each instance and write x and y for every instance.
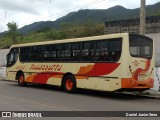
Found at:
(113, 62)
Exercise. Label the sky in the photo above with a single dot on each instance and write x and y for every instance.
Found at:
(25, 12)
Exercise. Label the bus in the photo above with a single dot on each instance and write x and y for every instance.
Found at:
(115, 62)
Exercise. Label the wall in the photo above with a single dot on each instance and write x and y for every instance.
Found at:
(3, 54)
(2, 72)
(156, 38)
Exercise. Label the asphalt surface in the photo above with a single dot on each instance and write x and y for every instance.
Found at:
(50, 98)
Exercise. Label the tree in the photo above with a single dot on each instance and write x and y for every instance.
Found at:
(88, 28)
(13, 33)
(44, 30)
(56, 35)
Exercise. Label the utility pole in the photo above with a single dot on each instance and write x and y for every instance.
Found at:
(142, 17)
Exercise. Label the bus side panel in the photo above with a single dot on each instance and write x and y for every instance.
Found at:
(10, 75)
(12, 71)
(104, 78)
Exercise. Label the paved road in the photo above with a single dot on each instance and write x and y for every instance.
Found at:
(42, 98)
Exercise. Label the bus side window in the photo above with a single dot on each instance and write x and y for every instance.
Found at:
(36, 53)
(51, 52)
(25, 54)
(66, 52)
(115, 48)
(108, 50)
(102, 51)
(75, 52)
(87, 51)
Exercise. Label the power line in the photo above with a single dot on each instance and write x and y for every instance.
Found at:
(63, 13)
(27, 6)
(58, 15)
(79, 7)
(69, 10)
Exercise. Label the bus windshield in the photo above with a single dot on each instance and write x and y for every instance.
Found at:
(140, 46)
(12, 57)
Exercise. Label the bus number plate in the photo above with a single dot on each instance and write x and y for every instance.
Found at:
(142, 77)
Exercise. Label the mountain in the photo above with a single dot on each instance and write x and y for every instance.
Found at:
(97, 15)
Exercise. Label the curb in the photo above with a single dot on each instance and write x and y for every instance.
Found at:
(3, 79)
(150, 95)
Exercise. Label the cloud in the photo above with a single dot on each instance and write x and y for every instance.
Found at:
(17, 6)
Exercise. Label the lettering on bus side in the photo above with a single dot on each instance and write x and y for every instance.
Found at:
(55, 67)
(20, 67)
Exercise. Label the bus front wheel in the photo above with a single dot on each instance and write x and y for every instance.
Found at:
(69, 84)
(21, 80)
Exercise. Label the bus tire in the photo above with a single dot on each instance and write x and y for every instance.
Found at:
(21, 80)
(69, 84)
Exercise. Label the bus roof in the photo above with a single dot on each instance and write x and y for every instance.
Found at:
(72, 40)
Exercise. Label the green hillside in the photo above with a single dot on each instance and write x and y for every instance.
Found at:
(101, 16)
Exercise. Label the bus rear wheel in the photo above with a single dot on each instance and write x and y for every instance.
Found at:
(21, 80)
(69, 84)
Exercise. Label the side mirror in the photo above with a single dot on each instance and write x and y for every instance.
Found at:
(8, 55)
